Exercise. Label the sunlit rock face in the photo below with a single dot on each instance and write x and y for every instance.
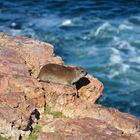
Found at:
(73, 129)
(24, 100)
(21, 95)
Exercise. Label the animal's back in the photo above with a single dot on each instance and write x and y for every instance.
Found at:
(56, 73)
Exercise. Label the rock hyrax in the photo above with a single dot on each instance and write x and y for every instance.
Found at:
(60, 74)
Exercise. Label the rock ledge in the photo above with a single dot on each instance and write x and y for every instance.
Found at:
(29, 108)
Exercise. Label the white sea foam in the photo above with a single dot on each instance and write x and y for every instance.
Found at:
(115, 38)
(91, 50)
(124, 67)
(66, 22)
(126, 45)
(13, 24)
(133, 103)
(46, 21)
(125, 27)
(115, 41)
(115, 51)
(116, 59)
(115, 56)
(102, 28)
(135, 59)
(137, 41)
(122, 44)
(15, 32)
(113, 73)
(134, 19)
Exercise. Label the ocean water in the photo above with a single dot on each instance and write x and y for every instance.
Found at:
(103, 36)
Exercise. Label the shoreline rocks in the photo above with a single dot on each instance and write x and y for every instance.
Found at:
(29, 107)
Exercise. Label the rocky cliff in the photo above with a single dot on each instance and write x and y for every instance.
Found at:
(35, 110)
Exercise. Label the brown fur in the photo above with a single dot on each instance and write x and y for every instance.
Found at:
(60, 74)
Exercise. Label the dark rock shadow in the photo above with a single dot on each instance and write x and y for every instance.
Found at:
(81, 82)
(36, 115)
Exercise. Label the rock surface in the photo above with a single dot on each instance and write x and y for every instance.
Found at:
(60, 112)
(84, 128)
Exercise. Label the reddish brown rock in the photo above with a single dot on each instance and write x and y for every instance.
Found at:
(20, 94)
(80, 109)
(84, 128)
(90, 91)
(22, 98)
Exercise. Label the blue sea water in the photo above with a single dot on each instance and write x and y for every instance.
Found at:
(103, 36)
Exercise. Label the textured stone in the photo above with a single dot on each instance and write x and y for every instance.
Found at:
(23, 98)
(85, 129)
(90, 89)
